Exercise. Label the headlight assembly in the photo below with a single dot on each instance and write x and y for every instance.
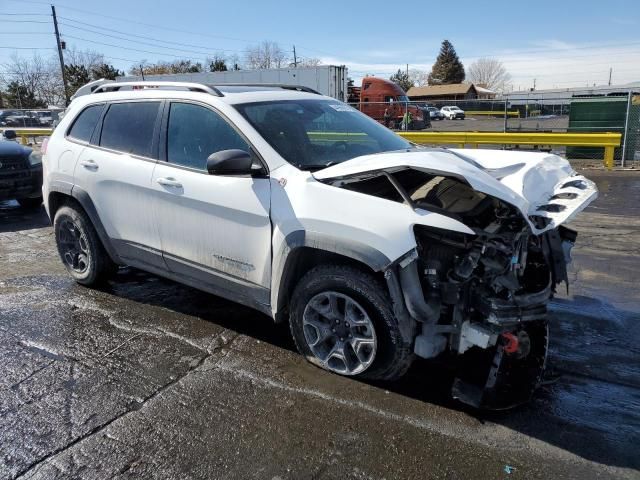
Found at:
(35, 159)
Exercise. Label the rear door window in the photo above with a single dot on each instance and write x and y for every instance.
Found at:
(85, 123)
(129, 127)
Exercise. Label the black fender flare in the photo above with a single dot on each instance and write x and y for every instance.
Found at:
(294, 241)
(85, 201)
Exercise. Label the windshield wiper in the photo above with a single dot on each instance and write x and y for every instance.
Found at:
(312, 167)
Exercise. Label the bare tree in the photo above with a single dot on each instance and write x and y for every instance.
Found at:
(268, 54)
(88, 59)
(233, 62)
(419, 78)
(164, 68)
(309, 62)
(38, 75)
(489, 73)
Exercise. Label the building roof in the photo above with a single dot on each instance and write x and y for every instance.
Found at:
(587, 89)
(440, 90)
(484, 91)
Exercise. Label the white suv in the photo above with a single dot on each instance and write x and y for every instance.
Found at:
(452, 113)
(373, 249)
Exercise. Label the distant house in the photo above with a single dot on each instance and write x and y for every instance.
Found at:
(454, 91)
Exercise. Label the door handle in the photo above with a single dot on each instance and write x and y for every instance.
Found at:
(169, 182)
(89, 164)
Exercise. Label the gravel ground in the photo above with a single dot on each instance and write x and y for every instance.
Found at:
(146, 378)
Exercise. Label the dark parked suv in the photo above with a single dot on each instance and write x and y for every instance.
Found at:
(20, 174)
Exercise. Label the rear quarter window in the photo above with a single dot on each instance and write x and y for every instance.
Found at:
(85, 123)
(129, 127)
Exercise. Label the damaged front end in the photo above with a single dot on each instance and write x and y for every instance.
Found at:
(477, 298)
(489, 294)
(485, 295)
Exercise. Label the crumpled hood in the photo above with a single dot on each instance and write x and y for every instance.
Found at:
(538, 184)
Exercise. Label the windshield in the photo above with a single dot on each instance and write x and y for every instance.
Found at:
(313, 134)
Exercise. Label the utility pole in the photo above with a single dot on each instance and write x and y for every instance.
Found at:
(142, 72)
(295, 59)
(610, 72)
(534, 83)
(59, 44)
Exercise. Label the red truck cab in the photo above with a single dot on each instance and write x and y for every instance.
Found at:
(378, 95)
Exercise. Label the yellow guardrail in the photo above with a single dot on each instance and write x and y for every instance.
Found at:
(497, 113)
(609, 141)
(26, 133)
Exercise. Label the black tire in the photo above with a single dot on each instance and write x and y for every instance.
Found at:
(98, 265)
(393, 356)
(30, 203)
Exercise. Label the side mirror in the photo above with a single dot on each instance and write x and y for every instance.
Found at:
(232, 162)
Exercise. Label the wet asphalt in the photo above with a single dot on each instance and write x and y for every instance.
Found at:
(145, 378)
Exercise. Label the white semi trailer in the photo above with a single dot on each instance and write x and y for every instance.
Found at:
(329, 80)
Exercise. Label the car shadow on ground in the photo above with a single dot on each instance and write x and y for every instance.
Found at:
(571, 411)
(13, 217)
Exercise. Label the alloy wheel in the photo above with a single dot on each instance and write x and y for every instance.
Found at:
(73, 246)
(339, 333)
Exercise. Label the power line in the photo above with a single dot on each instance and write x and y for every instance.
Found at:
(25, 14)
(140, 42)
(24, 21)
(163, 27)
(125, 48)
(133, 35)
(28, 48)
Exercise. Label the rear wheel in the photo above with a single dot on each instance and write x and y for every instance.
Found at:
(341, 320)
(79, 247)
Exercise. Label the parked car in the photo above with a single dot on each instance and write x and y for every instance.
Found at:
(373, 249)
(20, 172)
(452, 113)
(45, 117)
(19, 119)
(5, 114)
(435, 113)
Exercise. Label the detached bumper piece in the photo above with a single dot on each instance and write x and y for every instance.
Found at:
(524, 308)
(505, 375)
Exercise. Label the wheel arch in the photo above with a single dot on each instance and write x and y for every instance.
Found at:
(303, 251)
(79, 198)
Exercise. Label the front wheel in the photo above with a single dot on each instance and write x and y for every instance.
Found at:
(341, 320)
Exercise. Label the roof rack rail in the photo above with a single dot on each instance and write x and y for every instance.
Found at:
(299, 88)
(192, 87)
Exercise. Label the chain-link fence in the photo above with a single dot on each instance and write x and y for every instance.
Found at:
(619, 114)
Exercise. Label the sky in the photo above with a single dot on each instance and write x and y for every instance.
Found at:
(556, 44)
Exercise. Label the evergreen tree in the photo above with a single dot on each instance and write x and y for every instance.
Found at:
(401, 78)
(448, 67)
(19, 96)
(218, 65)
(76, 76)
(106, 71)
